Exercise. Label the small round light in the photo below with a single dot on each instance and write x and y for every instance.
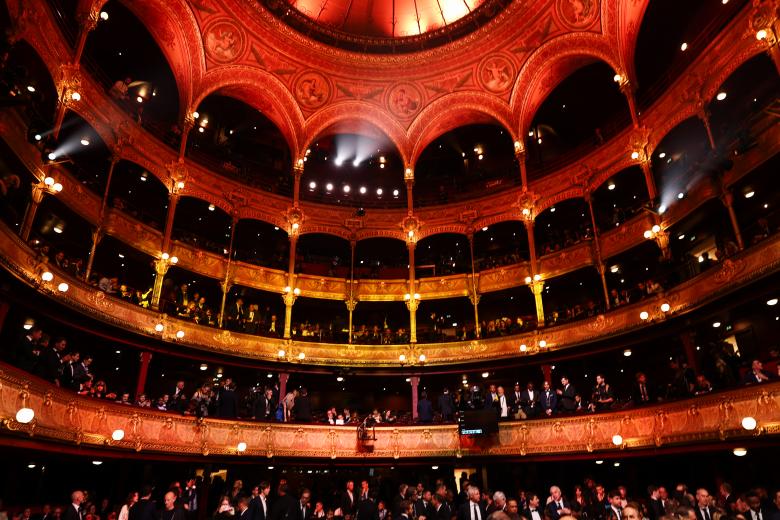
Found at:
(749, 195)
(611, 186)
(329, 186)
(721, 96)
(422, 358)
(485, 375)
(204, 367)
(684, 46)
(180, 185)
(537, 277)
(179, 334)
(281, 353)
(656, 228)
(75, 96)
(542, 343)
(84, 141)
(139, 99)
(340, 379)
(665, 307)
(627, 352)
(241, 448)
(749, 423)
(681, 195)
(523, 347)
(761, 35)
(662, 155)
(643, 315)
(165, 256)
(312, 185)
(416, 296)
(635, 155)
(739, 452)
(716, 324)
(363, 190)
(527, 279)
(212, 207)
(617, 439)
(57, 187)
(379, 192)
(118, 435)
(97, 462)
(159, 327)
(196, 114)
(599, 462)
(616, 464)
(346, 188)
(47, 276)
(395, 193)
(434, 468)
(402, 358)
(302, 356)
(296, 291)
(103, 15)
(51, 156)
(38, 137)
(617, 78)
(25, 415)
(30, 88)
(63, 287)
(174, 259)
(772, 302)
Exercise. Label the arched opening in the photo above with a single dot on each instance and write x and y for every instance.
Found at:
(261, 243)
(441, 255)
(323, 255)
(319, 320)
(466, 162)
(380, 323)
(121, 49)
(385, 258)
(80, 150)
(680, 161)
(239, 141)
(202, 225)
(637, 274)
(449, 319)
(354, 169)
(619, 198)
(584, 110)
(670, 39)
(261, 312)
(573, 296)
(190, 296)
(138, 193)
(26, 82)
(563, 225)
(500, 244)
(507, 312)
(131, 270)
(740, 100)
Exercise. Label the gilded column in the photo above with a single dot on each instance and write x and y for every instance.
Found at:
(474, 297)
(291, 292)
(186, 128)
(536, 287)
(412, 298)
(649, 179)
(162, 264)
(351, 301)
(520, 155)
(598, 261)
(87, 22)
(415, 384)
(97, 234)
(227, 283)
(38, 190)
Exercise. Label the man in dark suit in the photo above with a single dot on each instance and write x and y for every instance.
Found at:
(405, 510)
(146, 508)
(491, 398)
(756, 374)
(424, 409)
(641, 393)
(302, 409)
(703, 509)
(397, 499)
(424, 507)
(304, 507)
(259, 503)
(348, 502)
(446, 405)
(235, 315)
(615, 508)
(548, 399)
(756, 511)
(558, 506)
(655, 508)
(73, 511)
(172, 511)
(367, 507)
(516, 400)
(178, 400)
(264, 407)
(27, 349)
(440, 507)
(473, 508)
(243, 511)
(567, 395)
(529, 399)
(533, 512)
(284, 507)
(227, 403)
(50, 361)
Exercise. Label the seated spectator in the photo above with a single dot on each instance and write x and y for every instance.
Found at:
(119, 89)
(756, 374)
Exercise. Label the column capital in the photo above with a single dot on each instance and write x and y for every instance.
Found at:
(298, 167)
(409, 174)
(412, 304)
(161, 267)
(289, 298)
(537, 286)
(351, 304)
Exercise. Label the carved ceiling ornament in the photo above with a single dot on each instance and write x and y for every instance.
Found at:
(224, 41)
(404, 100)
(312, 90)
(496, 73)
(577, 14)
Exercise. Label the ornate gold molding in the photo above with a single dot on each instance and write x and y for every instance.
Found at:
(62, 417)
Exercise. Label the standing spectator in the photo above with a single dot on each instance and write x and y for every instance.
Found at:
(446, 405)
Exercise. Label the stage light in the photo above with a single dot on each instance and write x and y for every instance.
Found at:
(165, 256)
(614, 269)
(63, 287)
(57, 229)
(28, 324)
(599, 462)
(47, 276)
(118, 435)
(355, 163)
(539, 141)
(749, 423)
(721, 96)
(180, 185)
(552, 210)
(179, 334)
(25, 415)
(196, 114)
(656, 228)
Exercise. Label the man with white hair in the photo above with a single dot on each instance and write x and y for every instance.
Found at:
(472, 510)
(558, 505)
(499, 503)
(74, 511)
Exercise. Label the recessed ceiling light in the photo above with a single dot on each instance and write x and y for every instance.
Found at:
(750, 194)
(662, 155)
(716, 324)
(772, 302)
(684, 46)
(721, 96)
(611, 186)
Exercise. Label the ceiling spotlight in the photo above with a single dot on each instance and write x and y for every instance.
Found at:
(212, 207)
(611, 186)
(750, 194)
(179, 334)
(329, 187)
(684, 46)
(103, 15)
(346, 188)
(340, 379)
(716, 325)
(739, 452)
(363, 190)
(749, 423)
(662, 155)
(118, 435)
(721, 96)
(627, 352)
(25, 415)
(63, 287)
(772, 302)
(379, 192)
(617, 439)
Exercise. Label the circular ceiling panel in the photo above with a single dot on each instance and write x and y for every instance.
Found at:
(383, 26)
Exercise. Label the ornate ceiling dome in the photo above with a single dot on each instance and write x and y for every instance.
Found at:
(386, 25)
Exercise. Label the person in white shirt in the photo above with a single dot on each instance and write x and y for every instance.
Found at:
(132, 499)
(503, 404)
